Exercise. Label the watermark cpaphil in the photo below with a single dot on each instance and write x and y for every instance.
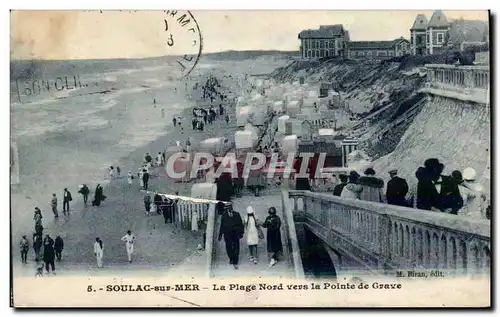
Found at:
(242, 166)
(183, 39)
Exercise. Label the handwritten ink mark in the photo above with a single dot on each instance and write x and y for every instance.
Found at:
(166, 25)
(170, 41)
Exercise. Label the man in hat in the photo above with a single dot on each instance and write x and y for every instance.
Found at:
(337, 190)
(397, 188)
(436, 191)
(232, 229)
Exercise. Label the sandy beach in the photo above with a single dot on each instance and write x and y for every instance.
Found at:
(124, 208)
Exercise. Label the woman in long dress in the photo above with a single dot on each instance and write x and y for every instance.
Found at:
(274, 245)
(141, 179)
(98, 251)
(251, 229)
(98, 196)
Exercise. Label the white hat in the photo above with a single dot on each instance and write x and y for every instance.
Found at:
(469, 174)
(250, 210)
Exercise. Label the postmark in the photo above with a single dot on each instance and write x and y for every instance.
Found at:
(183, 40)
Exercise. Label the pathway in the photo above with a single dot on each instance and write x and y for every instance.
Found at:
(221, 266)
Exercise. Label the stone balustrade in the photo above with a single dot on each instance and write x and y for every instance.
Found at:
(390, 237)
(468, 83)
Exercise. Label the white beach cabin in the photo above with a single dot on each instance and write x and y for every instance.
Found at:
(282, 123)
(243, 139)
(290, 144)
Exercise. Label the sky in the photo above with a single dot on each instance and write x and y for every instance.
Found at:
(61, 35)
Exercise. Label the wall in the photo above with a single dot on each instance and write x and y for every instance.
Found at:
(370, 54)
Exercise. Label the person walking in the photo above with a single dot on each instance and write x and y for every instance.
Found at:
(53, 204)
(37, 245)
(252, 234)
(66, 199)
(111, 172)
(140, 175)
(397, 188)
(48, 254)
(118, 171)
(25, 246)
(352, 189)
(145, 178)
(98, 251)
(98, 196)
(130, 178)
(58, 247)
(232, 229)
(85, 191)
(129, 239)
(158, 201)
(167, 209)
(274, 244)
(147, 203)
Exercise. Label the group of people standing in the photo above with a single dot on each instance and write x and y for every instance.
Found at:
(458, 193)
(233, 228)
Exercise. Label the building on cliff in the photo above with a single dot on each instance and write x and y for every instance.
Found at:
(328, 40)
(378, 50)
(438, 34)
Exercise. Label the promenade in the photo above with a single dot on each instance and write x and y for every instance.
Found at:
(222, 269)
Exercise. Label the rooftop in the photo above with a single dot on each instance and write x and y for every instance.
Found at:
(368, 45)
(438, 19)
(324, 31)
(420, 23)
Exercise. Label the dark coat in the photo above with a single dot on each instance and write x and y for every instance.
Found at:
(225, 188)
(372, 189)
(337, 190)
(48, 250)
(273, 225)
(59, 244)
(397, 188)
(231, 227)
(428, 197)
(98, 196)
(145, 177)
(68, 197)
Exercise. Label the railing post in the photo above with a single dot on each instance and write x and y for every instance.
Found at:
(384, 239)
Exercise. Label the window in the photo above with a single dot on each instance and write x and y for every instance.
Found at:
(391, 53)
(440, 38)
(309, 54)
(317, 44)
(427, 38)
(331, 44)
(313, 54)
(361, 53)
(317, 53)
(322, 53)
(306, 44)
(321, 44)
(381, 53)
(369, 53)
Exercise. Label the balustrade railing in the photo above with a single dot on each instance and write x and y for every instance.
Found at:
(403, 238)
(471, 81)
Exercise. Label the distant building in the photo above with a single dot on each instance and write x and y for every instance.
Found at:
(378, 49)
(328, 40)
(438, 34)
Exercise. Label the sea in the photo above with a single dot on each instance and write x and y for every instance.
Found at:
(71, 120)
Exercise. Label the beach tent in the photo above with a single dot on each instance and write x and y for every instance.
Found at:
(241, 102)
(309, 102)
(212, 145)
(326, 132)
(278, 106)
(257, 116)
(242, 115)
(243, 139)
(293, 108)
(253, 130)
(282, 123)
(289, 144)
(294, 126)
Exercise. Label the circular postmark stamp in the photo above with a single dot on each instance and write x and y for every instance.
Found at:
(184, 41)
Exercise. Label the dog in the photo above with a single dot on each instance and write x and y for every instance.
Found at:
(39, 271)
